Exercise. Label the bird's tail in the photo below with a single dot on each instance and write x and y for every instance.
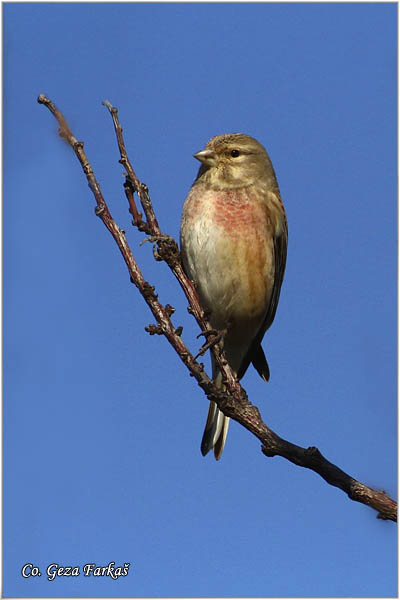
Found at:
(217, 424)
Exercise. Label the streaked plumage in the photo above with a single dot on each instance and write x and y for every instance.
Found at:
(233, 242)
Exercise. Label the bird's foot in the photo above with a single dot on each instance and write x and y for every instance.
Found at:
(216, 337)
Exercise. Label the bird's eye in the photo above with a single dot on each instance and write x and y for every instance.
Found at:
(235, 153)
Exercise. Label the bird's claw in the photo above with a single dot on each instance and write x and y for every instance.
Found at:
(217, 337)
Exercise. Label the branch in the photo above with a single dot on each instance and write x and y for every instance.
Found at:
(233, 402)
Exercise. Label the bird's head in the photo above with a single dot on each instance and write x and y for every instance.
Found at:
(233, 160)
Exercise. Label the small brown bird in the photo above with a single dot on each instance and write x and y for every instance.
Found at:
(234, 241)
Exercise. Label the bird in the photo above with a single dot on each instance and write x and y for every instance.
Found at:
(233, 239)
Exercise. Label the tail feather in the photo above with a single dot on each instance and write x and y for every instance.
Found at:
(215, 431)
(260, 363)
(220, 443)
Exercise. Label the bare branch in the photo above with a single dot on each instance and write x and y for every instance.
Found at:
(233, 402)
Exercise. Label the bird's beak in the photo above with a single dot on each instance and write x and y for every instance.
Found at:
(207, 157)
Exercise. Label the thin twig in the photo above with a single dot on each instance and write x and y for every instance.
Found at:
(137, 186)
(233, 402)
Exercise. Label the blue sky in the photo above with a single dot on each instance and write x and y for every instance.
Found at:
(102, 424)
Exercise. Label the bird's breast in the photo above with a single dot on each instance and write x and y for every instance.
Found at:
(227, 249)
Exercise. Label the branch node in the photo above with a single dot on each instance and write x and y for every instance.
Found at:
(270, 452)
(141, 225)
(129, 182)
(99, 209)
(169, 310)
(154, 329)
(313, 452)
(179, 330)
(148, 291)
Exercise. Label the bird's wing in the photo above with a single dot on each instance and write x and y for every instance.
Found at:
(255, 353)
